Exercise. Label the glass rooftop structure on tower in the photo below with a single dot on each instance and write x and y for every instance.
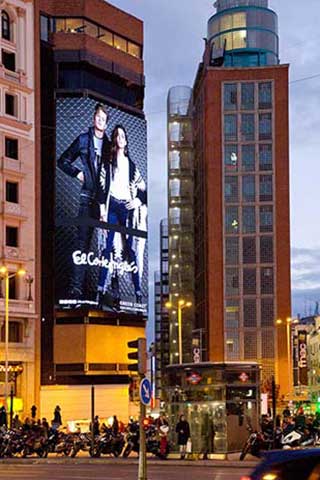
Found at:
(248, 32)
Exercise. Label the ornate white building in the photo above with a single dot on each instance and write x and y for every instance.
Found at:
(19, 204)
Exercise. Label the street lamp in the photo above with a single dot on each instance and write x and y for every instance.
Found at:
(181, 305)
(5, 274)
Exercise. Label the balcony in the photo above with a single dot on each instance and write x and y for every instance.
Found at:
(13, 210)
(15, 254)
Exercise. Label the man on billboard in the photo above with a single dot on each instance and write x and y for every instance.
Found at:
(126, 206)
(92, 149)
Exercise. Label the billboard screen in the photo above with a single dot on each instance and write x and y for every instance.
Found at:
(100, 207)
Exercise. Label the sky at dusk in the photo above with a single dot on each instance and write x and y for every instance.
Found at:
(174, 31)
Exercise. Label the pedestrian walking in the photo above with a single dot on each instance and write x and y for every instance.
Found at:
(57, 420)
(115, 425)
(3, 417)
(183, 431)
(33, 412)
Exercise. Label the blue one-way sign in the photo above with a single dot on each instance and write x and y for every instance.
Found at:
(145, 391)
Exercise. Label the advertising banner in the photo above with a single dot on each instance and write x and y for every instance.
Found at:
(302, 356)
(101, 207)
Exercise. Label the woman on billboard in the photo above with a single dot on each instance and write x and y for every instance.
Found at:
(126, 206)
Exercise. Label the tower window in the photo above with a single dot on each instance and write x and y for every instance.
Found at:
(11, 148)
(11, 104)
(9, 60)
(12, 192)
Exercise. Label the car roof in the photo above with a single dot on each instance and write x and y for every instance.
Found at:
(277, 457)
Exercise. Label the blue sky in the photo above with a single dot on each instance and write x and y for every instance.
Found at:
(174, 31)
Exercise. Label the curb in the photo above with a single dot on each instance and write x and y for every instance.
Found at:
(113, 461)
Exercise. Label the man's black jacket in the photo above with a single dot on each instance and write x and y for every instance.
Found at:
(83, 148)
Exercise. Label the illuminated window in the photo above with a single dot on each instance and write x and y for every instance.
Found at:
(239, 39)
(106, 36)
(120, 43)
(134, 49)
(239, 20)
(74, 25)
(91, 29)
(226, 22)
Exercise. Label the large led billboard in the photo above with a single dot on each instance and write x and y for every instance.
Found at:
(101, 207)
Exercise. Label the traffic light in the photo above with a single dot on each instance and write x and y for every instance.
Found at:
(140, 355)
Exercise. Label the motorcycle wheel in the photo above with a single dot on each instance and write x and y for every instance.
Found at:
(67, 451)
(74, 452)
(244, 452)
(127, 451)
(94, 452)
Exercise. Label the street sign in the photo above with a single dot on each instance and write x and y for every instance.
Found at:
(145, 391)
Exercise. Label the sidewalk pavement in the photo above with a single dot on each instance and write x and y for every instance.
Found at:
(54, 459)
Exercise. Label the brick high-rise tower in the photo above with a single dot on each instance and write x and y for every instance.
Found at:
(242, 222)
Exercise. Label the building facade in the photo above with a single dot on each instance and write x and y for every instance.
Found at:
(20, 214)
(241, 130)
(180, 219)
(90, 52)
(161, 288)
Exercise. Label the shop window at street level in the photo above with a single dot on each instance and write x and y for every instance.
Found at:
(11, 148)
(12, 192)
(10, 104)
(9, 60)
(5, 26)
(11, 236)
(15, 332)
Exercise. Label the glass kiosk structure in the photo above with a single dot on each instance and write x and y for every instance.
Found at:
(219, 400)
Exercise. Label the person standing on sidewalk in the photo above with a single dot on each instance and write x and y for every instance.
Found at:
(183, 431)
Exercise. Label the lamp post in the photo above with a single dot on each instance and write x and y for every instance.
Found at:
(5, 274)
(181, 305)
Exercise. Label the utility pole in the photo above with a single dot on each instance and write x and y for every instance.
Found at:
(140, 355)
